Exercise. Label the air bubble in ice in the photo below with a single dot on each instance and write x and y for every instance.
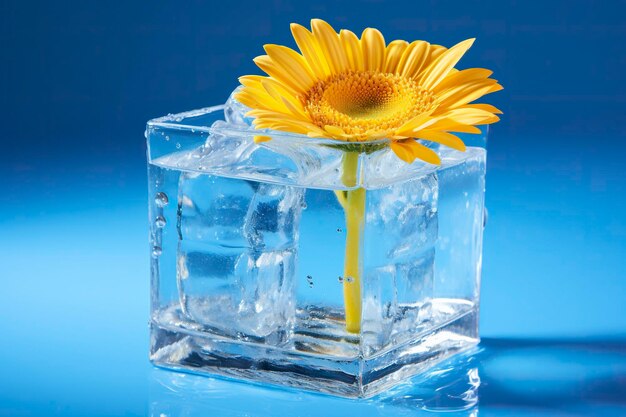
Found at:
(161, 199)
(156, 251)
(160, 221)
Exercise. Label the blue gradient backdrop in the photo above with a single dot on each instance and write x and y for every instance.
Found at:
(79, 79)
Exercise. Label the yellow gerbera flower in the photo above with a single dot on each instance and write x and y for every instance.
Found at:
(361, 90)
(357, 90)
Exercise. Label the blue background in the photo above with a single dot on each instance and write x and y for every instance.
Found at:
(78, 81)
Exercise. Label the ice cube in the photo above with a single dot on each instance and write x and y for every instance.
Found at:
(401, 219)
(239, 293)
(273, 216)
(236, 255)
(213, 209)
(400, 234)
(461, 221)
(235, 112)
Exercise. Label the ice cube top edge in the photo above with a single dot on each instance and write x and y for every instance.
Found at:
(218, 140)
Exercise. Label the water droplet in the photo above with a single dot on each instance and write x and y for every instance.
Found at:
(167, 137)
(309, 279)
(485, 217)
(339, 229)
(304, 206)
(340, 279)
(177, 145)
(193, 130)
(160, 221)
(156, 251)
(349, 279)
(161, 199)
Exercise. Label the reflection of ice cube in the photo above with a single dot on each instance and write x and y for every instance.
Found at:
(235, 112)
(236, 255)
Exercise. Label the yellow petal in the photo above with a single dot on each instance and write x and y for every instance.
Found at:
(449, 125)
(261, 114)
(264, 98)
(462, 77)
(435, 52)
(267, 64)
(251, 79)
(334, 130)
(421, 121)
(282, 100)
(276, 96)
(447, 139)
(471, 116)
(283, 125)
(464, 94)
(413, 59)
(258, 96)
(288, 127)
(379, 134)
(486, 107)
(311, 50)
(295, 110)
(496, 87)
(292, 63)
(442, 65)
(461, 128)
(402, 151)
(330, 45)
(275, 119)
(252, 86)
(352, 46)
(373, 46)
(393, 55)
(261, 138)
(408, 150)
(246, 100)
(280, 93)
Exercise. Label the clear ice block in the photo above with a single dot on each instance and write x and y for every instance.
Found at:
(236, 255)
(248, 243)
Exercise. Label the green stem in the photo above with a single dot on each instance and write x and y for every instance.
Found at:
(353, 202)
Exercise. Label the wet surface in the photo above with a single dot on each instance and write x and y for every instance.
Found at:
(501, 377)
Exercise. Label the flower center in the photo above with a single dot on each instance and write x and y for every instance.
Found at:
(366, 102)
